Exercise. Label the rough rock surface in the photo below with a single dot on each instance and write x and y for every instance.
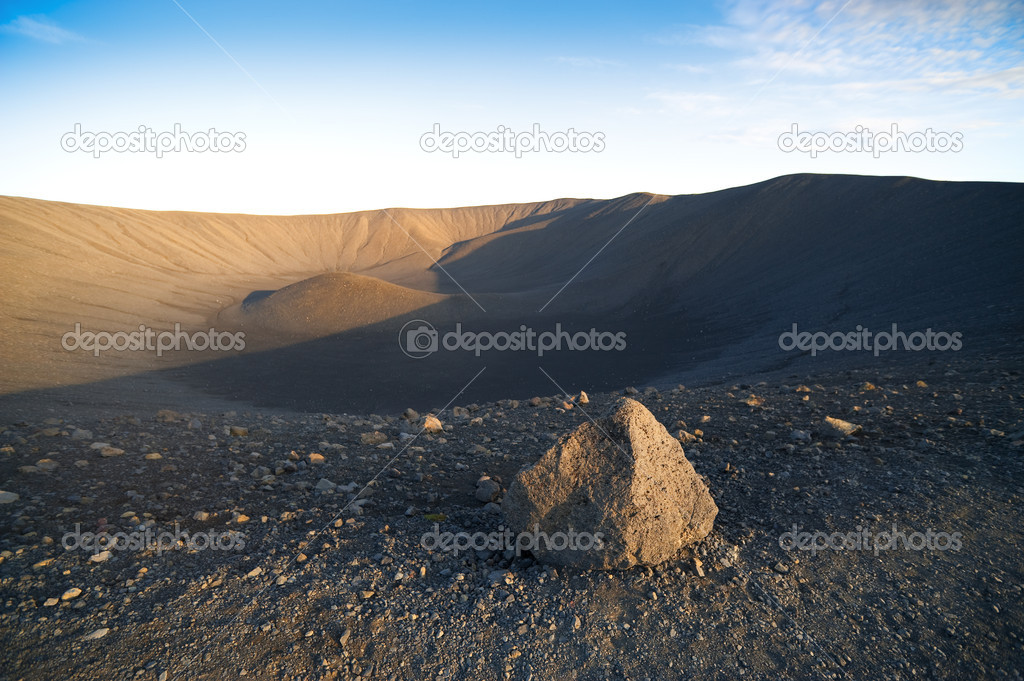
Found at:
(624, 477)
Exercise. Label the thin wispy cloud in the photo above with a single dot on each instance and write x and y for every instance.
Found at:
(817, 60)
(919, 40)
(40, 28)
(1009, 82)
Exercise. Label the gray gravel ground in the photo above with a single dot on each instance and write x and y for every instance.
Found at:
(321, 572)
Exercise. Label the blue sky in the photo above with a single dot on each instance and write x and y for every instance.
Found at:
(333, 97)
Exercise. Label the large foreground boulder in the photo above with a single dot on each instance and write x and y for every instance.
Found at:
(610, 496)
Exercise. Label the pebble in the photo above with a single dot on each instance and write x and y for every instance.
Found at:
(499, 577)
(838, 427)
(487, 490)
(73, 592)
(374, 437)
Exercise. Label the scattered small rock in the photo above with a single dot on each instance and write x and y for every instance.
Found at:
(432, 424)
(839, 428)
(374, 437)
(487, 489)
